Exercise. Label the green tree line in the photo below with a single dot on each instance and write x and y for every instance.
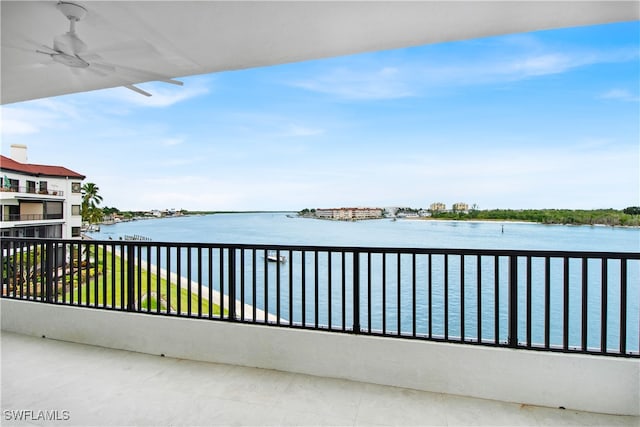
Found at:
(627, 217)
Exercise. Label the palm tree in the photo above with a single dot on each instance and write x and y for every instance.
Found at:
(90, 200)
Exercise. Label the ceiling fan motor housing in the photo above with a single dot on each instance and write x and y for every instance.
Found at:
(73, 11)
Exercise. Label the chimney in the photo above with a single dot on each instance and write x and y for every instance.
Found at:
(19, 153)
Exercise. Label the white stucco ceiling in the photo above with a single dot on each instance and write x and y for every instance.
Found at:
(182, 38)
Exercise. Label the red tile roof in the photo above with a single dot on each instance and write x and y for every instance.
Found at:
(37, 170)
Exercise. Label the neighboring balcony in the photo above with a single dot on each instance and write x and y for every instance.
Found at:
(30, 192)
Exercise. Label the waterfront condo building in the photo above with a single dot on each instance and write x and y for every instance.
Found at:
(348, 214)
(41, 201)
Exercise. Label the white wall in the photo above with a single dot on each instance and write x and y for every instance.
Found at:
(590, 383)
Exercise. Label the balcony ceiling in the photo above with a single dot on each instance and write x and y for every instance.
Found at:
(147, 40)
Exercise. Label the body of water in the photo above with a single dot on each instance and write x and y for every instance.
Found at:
(282, 229)
(392, 298)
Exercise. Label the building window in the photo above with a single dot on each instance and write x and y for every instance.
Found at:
(9, 184)
(31, 186)
(75, 231)
(75, 187)
(53, 210)
(43, 187)
(75, 210)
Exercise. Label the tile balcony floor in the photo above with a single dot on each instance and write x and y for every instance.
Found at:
(101, 386)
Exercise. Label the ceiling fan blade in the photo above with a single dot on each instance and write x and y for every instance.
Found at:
(137, 89)
(148, 75)
(46, 53)
(171, 81)
(46, 49)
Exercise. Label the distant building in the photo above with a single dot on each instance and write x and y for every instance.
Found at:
(460, 207)
(38, 200)
(438, 207)
(348, 214)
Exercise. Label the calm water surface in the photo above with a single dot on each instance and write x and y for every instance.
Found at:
(287, 229)
(279, 228)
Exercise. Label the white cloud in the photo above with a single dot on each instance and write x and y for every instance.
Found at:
(168, 142)
(620, 95)
(369, 79)
(162, 95)
(35, 116)
(300, 131)
(382, 83)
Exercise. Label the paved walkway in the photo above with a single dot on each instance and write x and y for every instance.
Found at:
(87, 386)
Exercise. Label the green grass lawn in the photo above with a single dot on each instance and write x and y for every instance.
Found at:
(102, 283)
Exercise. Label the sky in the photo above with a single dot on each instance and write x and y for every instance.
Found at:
(548, 119)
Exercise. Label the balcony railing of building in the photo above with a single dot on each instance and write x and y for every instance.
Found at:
(31, 217)
(31, 190)
(574, 302)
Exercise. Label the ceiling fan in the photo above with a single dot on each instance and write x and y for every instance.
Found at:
(68, 49)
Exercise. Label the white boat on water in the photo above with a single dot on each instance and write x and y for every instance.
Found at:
(273, 257)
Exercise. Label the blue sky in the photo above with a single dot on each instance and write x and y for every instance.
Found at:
(539, 120)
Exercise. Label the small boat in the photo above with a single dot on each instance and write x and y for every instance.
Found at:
(273, 257)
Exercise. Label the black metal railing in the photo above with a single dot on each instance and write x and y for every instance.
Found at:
(31, 217)
(584, 302)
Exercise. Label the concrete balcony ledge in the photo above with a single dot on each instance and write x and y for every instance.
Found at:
(606, 385)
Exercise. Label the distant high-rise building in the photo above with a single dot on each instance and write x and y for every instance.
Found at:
(460, 207)
(438, 207)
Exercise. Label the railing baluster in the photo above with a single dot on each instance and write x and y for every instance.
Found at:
(446, 297)
(159, 282)
(623, 306)
(547, 302)
(369, 292)
(384, 293)
(242, 284)
(316, 280)
(462, 283)
(232, 284)
(496, 299)
(290, 287)
(278, 293)
(398, 294)
(430, 296)
(200, 282)
(529, 304)
(344, 293)
(603, 305)
(329, 290)
(513, 301)
(304, 289)
(479, 297)
(356, 292)
(585, 302)
(189, 293)
(211, 285)
(413, 294)
(565, 311)
(254, 301)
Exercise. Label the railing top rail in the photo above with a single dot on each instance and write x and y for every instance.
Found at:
(541, 253)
